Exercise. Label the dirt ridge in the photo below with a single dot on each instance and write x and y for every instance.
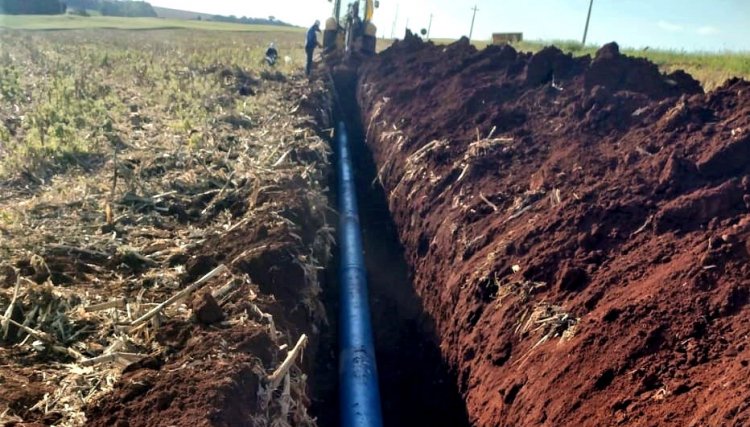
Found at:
(578, 228)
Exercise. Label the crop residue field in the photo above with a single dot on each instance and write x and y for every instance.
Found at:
(162, 209)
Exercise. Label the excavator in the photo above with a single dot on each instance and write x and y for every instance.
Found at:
(353, 32)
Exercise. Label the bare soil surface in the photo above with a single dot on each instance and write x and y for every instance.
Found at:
(577, 229)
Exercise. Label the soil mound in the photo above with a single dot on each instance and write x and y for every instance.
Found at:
(621, 73)
(578, 228)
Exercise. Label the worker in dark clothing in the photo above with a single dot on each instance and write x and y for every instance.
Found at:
(310, 44)
(272, 54)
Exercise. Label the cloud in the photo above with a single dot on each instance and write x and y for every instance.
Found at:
(669, 26)
(707, 30)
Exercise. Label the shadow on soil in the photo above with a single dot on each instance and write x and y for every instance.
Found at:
(416, 386)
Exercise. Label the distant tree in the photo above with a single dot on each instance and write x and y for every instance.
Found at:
(249, 21)
(83, 4)
(127, 8)
(36, 7)
(78, 12)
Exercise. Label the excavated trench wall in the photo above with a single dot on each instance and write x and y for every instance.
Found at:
(577, 230)
(416, 388)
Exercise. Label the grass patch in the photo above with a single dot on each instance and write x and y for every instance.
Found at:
(68, 99)
(72, 22)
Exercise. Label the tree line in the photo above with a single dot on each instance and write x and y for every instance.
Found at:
(114, 8)
(109, 8)
(252, 21)
(127, 8)
(36, 7)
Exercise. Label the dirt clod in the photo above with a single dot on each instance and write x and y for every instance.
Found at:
(206, 309)
(572, 279)
(7, 276)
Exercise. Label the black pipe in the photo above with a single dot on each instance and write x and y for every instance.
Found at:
(359, 392)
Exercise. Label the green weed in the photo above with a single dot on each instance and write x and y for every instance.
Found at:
(75, 95)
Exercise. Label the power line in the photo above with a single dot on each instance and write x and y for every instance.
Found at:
(429, 27)
(588, 18)
(474, 15)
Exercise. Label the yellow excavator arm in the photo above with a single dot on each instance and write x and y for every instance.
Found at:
(353, 31)
(369, 10)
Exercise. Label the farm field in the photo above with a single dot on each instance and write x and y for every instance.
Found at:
(72, 22)
(551, 236)
(138, 167)
(710, 68)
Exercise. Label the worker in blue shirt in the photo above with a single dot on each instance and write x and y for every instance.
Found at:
(310, 44)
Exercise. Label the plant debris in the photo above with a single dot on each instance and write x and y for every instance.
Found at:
(182, 248)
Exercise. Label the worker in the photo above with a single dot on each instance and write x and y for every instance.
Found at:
(310, 44)
(272, 54)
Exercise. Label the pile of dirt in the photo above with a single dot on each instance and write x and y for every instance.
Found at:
(578, 229)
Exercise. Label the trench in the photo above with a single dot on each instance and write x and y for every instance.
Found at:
(416, 385)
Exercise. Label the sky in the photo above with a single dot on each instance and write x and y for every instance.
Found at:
(690, 25)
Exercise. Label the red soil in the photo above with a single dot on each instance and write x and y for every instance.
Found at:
(210, 376)
(608, 193)
(213, 373)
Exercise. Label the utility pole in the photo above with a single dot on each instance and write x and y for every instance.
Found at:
(429, 27)
(395, 19)
(588, 18)
(407, 25)
(471, 31)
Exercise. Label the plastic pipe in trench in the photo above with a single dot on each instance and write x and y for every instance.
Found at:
(359, 394)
